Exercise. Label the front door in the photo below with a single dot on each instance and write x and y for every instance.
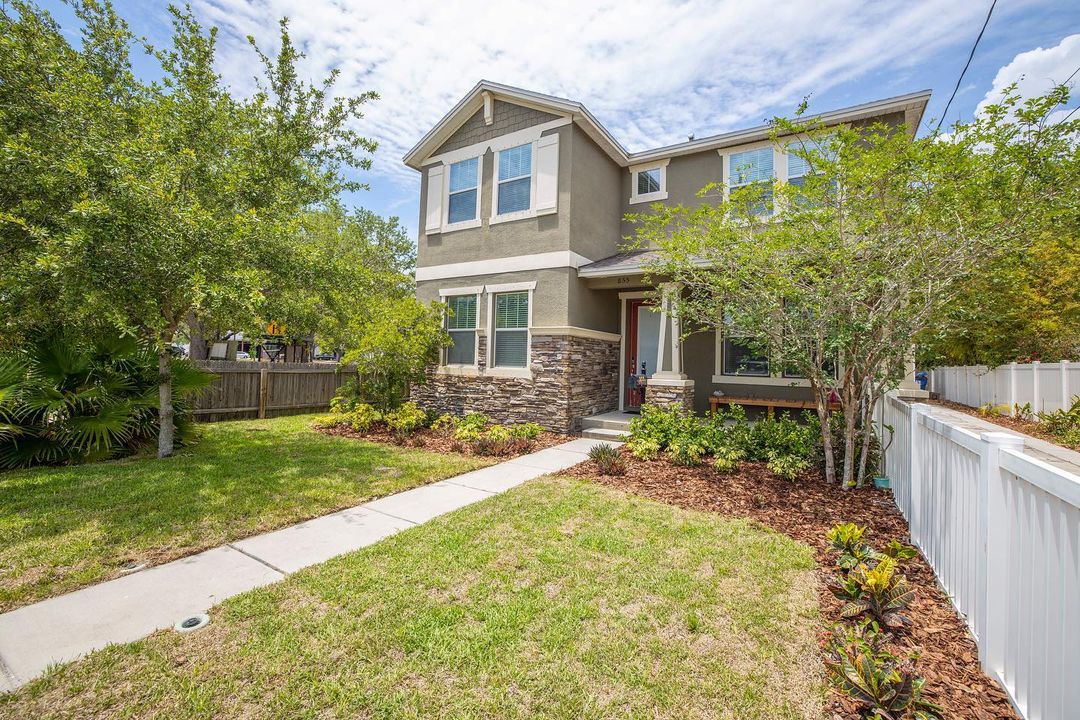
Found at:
(642, 341)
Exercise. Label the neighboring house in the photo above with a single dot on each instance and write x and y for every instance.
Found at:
(522, 204)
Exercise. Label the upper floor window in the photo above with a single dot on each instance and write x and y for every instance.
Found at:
(461, 326)
(648, 183)
(512, 329)
(514, 179)
(462, 205)
(749, 168)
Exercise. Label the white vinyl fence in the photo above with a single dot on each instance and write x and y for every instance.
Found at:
(1002, 532)
(1045, 386)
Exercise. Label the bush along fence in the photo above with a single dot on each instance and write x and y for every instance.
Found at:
(244, 389)
(1030, 387)
(1001, 529)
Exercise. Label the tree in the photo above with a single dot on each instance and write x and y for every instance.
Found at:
(149, 204)
(869, 251)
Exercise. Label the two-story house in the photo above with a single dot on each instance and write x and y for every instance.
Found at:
(522, 205)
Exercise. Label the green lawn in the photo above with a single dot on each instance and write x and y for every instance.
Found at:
(62, 528)
(559, 599)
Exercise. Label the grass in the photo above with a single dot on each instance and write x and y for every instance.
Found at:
(66, 527)
(559, 599)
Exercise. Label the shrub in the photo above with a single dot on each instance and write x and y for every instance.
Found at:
(445, 424)
(471, 427)
(63, 400)
(363, 417)
(882, 592)
(526, 431)
(788, 466)
(899, 551)
(687, 451)
(660, 425)
(496, 440)
(644, 448)
(608, 459)
(992, 410)
(1063, 424)
(859, 666)
(726, 459)
(328, 421)
(846, 540)
(346, 398)
(406, 419)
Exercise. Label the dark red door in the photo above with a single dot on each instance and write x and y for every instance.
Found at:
(635, 388)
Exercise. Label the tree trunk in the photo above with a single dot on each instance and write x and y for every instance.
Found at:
(868, 433)
(825, 420)
(851, 403)
(165, 405)
(200, 349)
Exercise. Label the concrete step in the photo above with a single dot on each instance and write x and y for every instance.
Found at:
(606, 422)
(609, 434)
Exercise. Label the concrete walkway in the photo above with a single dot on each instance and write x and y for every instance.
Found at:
(64, 628)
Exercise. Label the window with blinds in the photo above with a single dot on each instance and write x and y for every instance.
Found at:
(463, 191)
(751, 167)
(648, 181)
(515, 179)
(461, 326)
(512, 329)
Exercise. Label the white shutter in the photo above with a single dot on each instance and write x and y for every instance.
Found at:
(434, 199)
(547, 174)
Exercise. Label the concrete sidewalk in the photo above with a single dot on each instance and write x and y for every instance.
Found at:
(64, 628)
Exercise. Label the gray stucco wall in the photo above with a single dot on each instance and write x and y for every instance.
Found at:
(686, 175)
(549, 298)
(595, 205)
(545, 233)
(506, 118)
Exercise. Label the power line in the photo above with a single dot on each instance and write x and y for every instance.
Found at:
(966, 65)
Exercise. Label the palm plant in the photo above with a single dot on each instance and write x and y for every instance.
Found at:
(67, 401)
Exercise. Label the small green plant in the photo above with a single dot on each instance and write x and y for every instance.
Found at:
(406, 419)
(445, 424)
(347, 397)
(644, 448)
(788, 466)
(608, 459)
(883, 593)
(688, 451)
(859, 666)
(899, 551)
(526, 431)
(471, 427)
(846, 541)
(363, 417)
(1063, 424)
(327, 421)
(726, 459)
(1022, 411)
(992, 410)
(693, 622)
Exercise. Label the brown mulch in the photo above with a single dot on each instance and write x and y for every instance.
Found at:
(1028, 427)
(804, 510)
(432, 441)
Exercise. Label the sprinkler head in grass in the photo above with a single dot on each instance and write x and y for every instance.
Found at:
(192, 623)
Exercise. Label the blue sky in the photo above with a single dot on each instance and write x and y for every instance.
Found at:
(653, 71)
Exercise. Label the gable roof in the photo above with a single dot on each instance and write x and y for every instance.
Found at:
(474, 100)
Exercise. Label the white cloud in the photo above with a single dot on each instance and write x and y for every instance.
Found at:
(651, 70)
(1038, 70)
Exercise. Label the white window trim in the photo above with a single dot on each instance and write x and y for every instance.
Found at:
(779, 166)
(447, 226)
(662, 194)
(774, 378)
(474, 366)
(510, 372)
(496, 218)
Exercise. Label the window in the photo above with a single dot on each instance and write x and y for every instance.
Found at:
(462, 205)
(512, 329)
(740, 359)
(648, 183)
(750, 168)
(461, 325)
(515, 179)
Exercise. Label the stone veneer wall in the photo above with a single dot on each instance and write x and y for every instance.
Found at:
(573, 377)
(665, 395)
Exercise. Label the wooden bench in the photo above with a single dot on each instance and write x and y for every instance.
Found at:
(770, 404)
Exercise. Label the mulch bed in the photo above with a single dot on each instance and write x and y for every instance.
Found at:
(804, 510)
(1029, 427)
(432, 441)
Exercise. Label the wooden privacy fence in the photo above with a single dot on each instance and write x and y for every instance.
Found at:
(1001, 527)
(245, 389)
(1044, 386)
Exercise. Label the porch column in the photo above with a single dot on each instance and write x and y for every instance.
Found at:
(669, 384)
